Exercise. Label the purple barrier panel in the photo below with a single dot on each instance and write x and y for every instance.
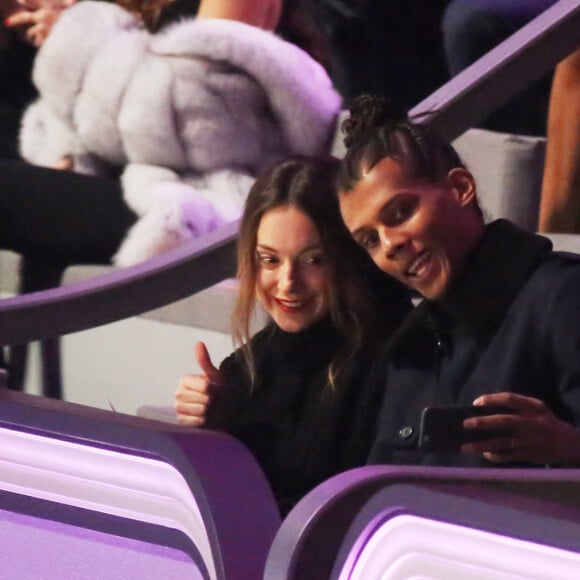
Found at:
(202, 485)
(459, 531)
(311, 535)
(43, 545)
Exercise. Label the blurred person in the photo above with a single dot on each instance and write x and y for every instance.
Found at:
(162, 121)
(17, 92)
(83, 216)
(498, 321)
(34, 19)
(560, 196)
(185, 117)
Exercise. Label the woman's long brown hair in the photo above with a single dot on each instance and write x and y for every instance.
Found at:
(308, 184)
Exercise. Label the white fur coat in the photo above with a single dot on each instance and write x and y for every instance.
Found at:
(191, 114)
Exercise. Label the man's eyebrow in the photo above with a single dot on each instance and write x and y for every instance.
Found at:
(380, 212)
(359, 231)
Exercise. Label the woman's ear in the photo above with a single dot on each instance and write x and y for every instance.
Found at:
(462, 184)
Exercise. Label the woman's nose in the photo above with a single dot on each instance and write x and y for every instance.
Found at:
(288, 276)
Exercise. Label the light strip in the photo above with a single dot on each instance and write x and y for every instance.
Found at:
(415, 547)
(105, 481)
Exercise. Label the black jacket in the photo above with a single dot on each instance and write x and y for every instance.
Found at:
(300, 429)
(510, 323)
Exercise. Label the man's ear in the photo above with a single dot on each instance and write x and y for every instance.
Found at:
(462, 184)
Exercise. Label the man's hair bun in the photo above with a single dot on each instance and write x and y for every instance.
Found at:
(367, 112)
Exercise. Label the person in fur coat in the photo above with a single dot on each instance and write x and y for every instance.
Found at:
(187, 116)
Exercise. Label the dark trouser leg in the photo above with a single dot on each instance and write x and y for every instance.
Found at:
(35, 276)
(55, 219)
(60, 216)
(9, 124)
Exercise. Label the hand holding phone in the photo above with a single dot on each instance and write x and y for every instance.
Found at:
(442, 430)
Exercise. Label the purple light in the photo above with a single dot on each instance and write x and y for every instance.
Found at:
(405, 546)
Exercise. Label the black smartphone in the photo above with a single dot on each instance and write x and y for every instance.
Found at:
(442, 428)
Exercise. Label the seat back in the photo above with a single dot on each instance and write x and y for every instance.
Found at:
(508, 170)
(327, 533)
(460, 529)
(126, 494)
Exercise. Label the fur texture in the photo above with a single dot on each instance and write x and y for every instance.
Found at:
(191, 114)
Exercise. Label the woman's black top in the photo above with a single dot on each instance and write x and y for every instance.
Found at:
(301, 429)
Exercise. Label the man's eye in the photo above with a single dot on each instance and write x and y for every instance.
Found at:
(401, 211)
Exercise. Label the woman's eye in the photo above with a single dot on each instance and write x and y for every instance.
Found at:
(267, 260)
(368, 240)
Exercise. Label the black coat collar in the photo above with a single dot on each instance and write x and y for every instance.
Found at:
(495, 272)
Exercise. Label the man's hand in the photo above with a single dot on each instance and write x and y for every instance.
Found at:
(536, 434)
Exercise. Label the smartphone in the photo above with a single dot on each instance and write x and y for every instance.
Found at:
(442, 430)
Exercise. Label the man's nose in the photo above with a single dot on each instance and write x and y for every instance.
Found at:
(392, 242)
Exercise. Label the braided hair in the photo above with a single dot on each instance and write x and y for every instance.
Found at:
(377, 129)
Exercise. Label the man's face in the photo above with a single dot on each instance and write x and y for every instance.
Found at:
(417, 232)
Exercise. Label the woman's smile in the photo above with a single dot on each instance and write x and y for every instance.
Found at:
(292, 305)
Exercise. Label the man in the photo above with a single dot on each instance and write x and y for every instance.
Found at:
(499, 321)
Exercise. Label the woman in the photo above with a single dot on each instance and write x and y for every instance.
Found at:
(498, 323)
(293, 393)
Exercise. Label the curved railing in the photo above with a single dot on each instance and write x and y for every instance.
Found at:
(509, 68)
(120, 293)
(455, 107)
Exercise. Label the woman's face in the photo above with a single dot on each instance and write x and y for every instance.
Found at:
(418, 232)
(292, 274)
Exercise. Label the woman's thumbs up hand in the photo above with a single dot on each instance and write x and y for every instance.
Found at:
(194, 391)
